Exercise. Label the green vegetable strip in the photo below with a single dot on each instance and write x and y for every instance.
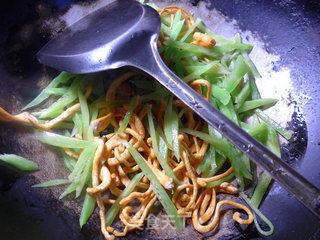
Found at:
(52, 114)
(260, 132)
(254, 95)
(70, 189)
(261, 189)
(162, 159)
(253, 104)
(63, 77)
(265, 180)
(228, 48)
(193, 48)
(77, 120)
(198, 70)
(219, 162)
(254, 90)
(165, 30)
(243, 95)
(51, 183)
(84, 157)
(157, 188)
(57, 91)
(226, 148)
(252, 67)
(216, 142)
(239, 70)
(282, 131)
(245, 126)
(85, 116)
(115, 208)
(86, 171)
(61, 141)
(127, 117)
(68, 161)
(264, 218)
(64, 101)
(229, 111)
(177, 26)
(87, 209)
(218, 182)
(19, 162)
(221, 94)
(166, 19)
(190, 30)
(171, 127)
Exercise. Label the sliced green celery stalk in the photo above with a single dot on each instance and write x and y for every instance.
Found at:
(87, 131)
(19, 162)
(61, 141)
(64, 101)
(52, 183)
(198, 70)
(260, 132)
(227, 150)
(281, 130)
(229, 111)
(242, 96)
(208, 162)
(127, 117)
(77, 120)
(63, 78)
(239, 70)
(87, 209)
(171, 127)
(57, 91)
(257, 211)
(253, 104)
(177, 26)
(221, 94)
(83, 159)
(252, 67)
(155, 144)
(265, 179)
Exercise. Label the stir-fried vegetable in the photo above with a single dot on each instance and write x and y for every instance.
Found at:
(89, 204)
(122, 151)
(51, 183)
(19, 162)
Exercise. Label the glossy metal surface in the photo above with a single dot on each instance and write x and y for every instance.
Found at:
(125, 33)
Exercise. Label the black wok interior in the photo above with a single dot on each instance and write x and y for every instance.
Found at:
(291, 29)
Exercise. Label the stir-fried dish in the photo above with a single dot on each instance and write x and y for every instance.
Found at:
(136, 144)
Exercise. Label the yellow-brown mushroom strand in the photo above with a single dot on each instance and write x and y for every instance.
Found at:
(113, 162)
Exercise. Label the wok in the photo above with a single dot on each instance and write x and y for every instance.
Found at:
(287, 34)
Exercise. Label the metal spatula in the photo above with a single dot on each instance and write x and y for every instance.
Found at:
(125, 33)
